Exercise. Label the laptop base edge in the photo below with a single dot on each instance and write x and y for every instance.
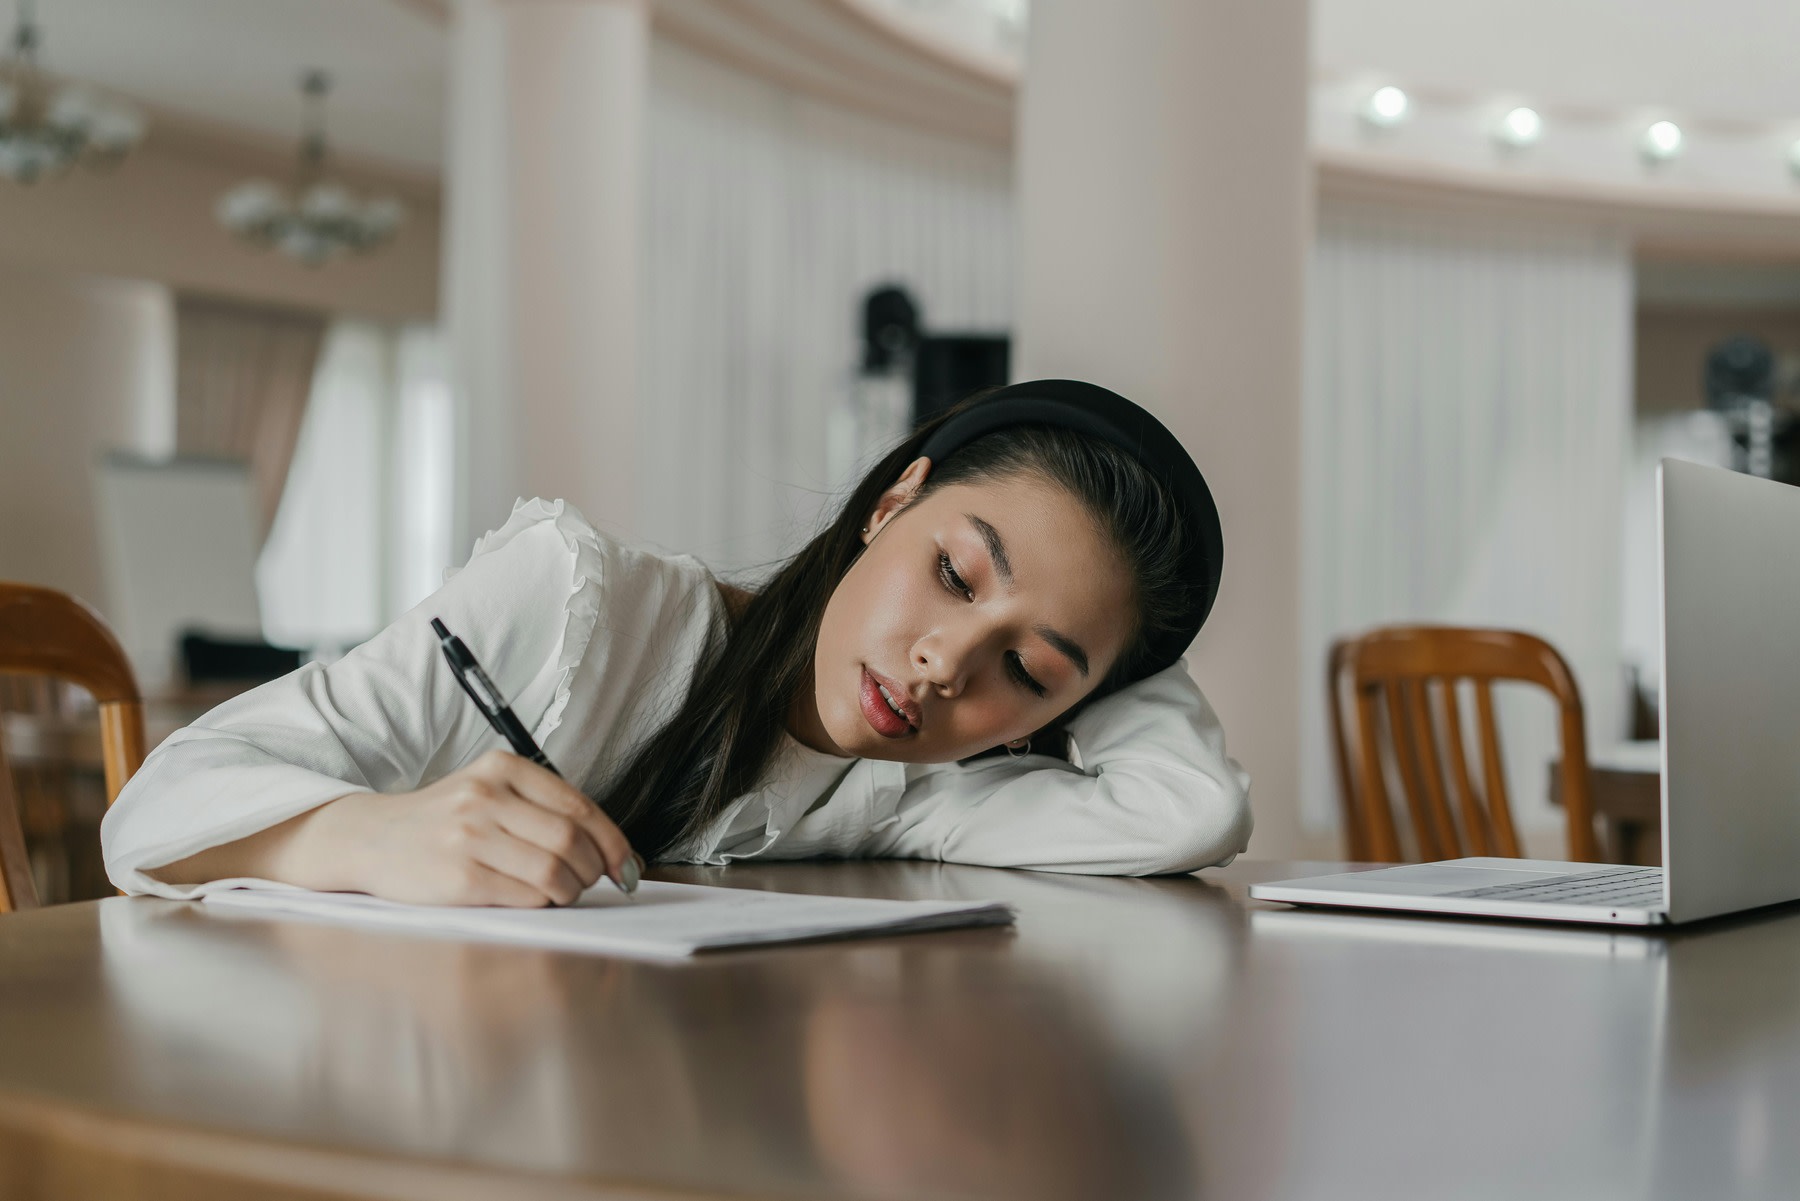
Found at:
(1442, 906)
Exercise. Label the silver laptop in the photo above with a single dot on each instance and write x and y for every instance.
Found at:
(1729, 570)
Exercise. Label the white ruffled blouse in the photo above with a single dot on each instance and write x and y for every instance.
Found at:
(595, 643)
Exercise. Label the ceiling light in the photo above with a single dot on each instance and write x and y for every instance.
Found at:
(1662, 141)
(318, 219)
(1794, 157)
(1387, 107)
(45, 128)
(1520, 127)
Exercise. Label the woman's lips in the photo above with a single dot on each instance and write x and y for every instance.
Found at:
(875, 709)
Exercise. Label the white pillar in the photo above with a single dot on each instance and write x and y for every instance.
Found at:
(1164, 222)
(541, 254)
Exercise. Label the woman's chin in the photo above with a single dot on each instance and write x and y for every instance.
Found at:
(860, 742)
(895, 750)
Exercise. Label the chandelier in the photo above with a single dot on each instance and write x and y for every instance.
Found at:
(45, 127)
(317, 220)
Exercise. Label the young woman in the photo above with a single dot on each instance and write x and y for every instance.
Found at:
(1023, 572)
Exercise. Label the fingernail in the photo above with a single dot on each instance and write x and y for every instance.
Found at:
(628, 875)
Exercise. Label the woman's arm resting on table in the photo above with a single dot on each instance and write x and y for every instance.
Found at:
(1155, 793)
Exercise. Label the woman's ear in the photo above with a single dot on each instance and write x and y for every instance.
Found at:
(896, 498)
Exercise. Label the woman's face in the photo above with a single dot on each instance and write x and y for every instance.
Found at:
(984, 609)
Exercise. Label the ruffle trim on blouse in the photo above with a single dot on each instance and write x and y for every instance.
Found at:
(581, 607)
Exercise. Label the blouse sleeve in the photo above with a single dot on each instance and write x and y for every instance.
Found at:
(387, 717)
(1154, 793)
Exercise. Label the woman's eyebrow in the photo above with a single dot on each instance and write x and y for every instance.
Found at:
(996, 547)
(1067, 645)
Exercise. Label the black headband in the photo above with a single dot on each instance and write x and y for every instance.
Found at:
(1092, 410)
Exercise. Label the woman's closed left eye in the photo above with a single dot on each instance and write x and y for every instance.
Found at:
(1015, 665)
(952, 581)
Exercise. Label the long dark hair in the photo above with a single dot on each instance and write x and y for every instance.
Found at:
(720, 742)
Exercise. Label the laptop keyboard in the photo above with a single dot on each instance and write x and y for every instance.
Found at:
(1627, 888)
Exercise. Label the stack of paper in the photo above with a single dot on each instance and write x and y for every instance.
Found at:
(663, 921)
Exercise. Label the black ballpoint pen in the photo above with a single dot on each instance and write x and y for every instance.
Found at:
(487, 698)
(493, 706)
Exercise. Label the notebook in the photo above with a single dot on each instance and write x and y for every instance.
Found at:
(663, 921)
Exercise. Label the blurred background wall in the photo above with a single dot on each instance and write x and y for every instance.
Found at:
(85, 362)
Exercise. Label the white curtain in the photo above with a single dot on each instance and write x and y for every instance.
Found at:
(421, 491)
(769, 215)
(1466, 420)
(363, 529)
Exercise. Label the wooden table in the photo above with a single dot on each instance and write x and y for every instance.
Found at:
(1130, 1038)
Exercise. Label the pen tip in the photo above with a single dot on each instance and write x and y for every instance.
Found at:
(439, 627)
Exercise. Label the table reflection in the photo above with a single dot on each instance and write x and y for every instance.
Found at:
(1568, 1061)
(1729, 1082)
(950, 1074)
(441, 1047)
(1422, 1046)
(980, 1062)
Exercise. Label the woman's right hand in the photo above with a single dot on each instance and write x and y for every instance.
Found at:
(501, 831)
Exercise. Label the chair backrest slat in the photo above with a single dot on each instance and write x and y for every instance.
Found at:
(1577, 792)
(17, 889)
(1389, 677)
(121, 743)
(1378, 816)
(1418, 694)
(1356, 831)
(1406, 759)
(1493, 770)
(1475, 821)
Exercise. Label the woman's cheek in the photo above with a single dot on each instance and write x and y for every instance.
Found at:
(895, 610)
(863, 609)
(980, 724)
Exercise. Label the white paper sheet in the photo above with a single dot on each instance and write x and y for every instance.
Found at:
(663, 921)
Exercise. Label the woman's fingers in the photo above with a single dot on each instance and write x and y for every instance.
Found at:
(555, 794)
(562, 836)
(548, 877)
(484, 885)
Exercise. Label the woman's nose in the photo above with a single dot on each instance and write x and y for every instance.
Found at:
(946, 662)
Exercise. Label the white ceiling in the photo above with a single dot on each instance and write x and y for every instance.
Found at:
(1726, 60)
(238, 62)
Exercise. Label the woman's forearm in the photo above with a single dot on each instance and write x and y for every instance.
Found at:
(309, 850)
(500, 831)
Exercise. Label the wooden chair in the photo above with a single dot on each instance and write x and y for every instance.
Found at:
(45, 632)
(1401, 683)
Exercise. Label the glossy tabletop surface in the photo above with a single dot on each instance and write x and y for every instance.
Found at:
(1128, 1038)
